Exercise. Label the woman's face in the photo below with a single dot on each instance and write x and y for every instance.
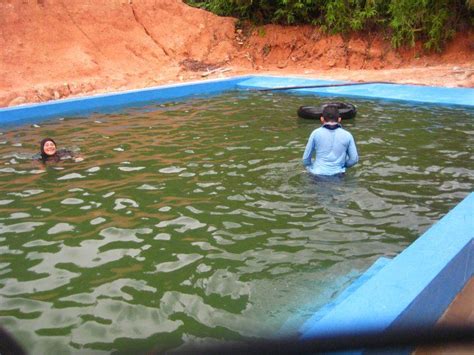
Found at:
(49, 148)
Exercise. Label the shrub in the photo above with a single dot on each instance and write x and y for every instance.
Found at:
(432, 21)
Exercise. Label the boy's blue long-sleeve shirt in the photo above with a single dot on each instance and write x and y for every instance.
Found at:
(335, 151)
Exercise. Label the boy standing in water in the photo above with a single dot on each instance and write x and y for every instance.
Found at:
(334, 146)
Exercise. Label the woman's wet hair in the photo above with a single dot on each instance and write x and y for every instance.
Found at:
(45, 156)
(330, 113)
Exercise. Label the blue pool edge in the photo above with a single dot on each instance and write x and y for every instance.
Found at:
(418, 94)
(114, 101)
(403, 290)
(412, 290)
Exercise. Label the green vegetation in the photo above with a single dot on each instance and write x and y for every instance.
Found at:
(405, 21)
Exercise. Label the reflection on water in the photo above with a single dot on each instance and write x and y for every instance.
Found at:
(195, 221)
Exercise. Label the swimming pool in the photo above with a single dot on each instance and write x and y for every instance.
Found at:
(191, 221)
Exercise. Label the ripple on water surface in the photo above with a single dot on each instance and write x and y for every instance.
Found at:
(195, 221)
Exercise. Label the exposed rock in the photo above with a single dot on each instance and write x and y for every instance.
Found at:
(54, 49)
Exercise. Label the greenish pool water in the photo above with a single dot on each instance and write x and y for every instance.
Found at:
(194, 221)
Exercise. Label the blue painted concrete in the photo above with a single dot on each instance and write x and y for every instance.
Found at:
(367, 275)
(415, 287)
(406, 93)
(113, 101)
(266, 82)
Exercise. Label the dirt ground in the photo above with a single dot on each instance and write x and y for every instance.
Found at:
(52, 49)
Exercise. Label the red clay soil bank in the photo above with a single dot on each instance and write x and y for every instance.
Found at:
(50, 49)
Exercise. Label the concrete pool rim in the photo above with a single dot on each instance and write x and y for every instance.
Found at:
(34, 113)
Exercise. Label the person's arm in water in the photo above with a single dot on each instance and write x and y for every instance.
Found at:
(308, 152)
(352, 157)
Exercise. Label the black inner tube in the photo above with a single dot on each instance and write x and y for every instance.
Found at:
(346, 110)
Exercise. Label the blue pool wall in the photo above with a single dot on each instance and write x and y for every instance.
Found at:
(396, 92)
(34, 113)
(412, 290)
(415, 286)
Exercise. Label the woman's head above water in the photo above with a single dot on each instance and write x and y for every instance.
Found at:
(49, 152)
(48, 148)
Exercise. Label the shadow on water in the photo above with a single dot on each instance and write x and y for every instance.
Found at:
(330, 192)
